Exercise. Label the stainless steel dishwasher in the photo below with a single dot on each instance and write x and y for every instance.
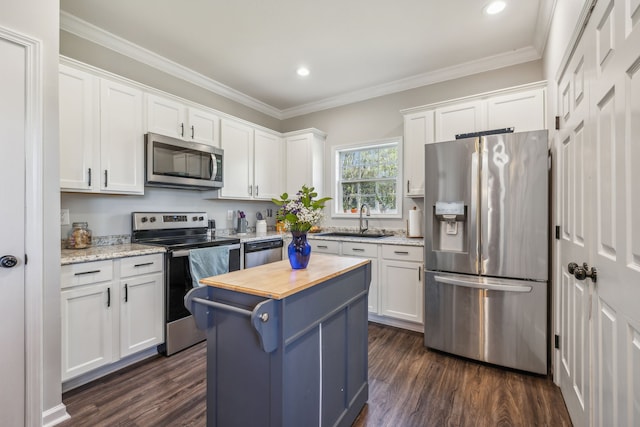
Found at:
(262, 252)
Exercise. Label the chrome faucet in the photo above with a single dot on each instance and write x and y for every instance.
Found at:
(362, 208)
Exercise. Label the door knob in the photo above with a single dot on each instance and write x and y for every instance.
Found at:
(582, 272)
(8, 261)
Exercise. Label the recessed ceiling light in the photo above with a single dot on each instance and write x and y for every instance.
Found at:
(495, 7)
(303, 71)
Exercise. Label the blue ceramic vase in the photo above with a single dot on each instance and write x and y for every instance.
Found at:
(299, 250)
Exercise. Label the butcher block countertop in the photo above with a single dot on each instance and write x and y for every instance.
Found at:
(278, 280)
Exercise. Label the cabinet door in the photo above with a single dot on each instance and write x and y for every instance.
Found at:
(268, 166)
(401, 290)
(79, 137)
(236, 140)
(304, 162)
(369, 251)
(165, 116)
(203, 127)
(141, 313)
(418, 131)
(87, 328)
(459, 118)
(523, 111)
(121, 139)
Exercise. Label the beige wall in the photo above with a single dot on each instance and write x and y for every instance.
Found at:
(109, 60)
(380, 118)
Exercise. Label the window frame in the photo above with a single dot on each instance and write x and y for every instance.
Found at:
(335, 174)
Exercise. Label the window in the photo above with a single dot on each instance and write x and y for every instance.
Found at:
(368, 173)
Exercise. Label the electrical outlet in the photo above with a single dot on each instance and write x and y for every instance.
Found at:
(230, 215)
(64, 216)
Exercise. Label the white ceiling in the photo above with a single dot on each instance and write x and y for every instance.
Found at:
(248, 50)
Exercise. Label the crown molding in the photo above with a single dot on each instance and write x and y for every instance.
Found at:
(90, 32)
(449, 73)
(543, 24)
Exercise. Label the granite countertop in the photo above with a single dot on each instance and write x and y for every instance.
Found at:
(98, 253)
(277, 280)
(398, 239)
(252, 237)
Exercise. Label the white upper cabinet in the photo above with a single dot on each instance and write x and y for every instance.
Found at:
(458, 118)
(418, 130)
(268, 161)
(79, 129)
(121, 139)
(173, 118)
(237, 142)
(304, 160)
(101, 135)
(523, 111)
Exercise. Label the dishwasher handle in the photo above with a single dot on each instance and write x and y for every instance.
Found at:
(262, 245)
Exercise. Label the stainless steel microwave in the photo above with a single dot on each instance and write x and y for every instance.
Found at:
(171, 162)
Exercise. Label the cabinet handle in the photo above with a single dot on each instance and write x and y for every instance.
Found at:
(144, 264)
(401, 252)
(82, 273)
(323, 247)
(193, 132)
(257, 187)
(419, 274)
(408, 186)
(181, 129)
(357, 249)
(106, 178)
(89, 177)
(251, 190)
(126, 293)
(108, 297)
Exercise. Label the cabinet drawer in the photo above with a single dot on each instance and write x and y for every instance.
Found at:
(403, 253)
(325, 246)
(85, 273)
(360, 249)
(137, 265)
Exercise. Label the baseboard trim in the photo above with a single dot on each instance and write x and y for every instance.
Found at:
(55, 415)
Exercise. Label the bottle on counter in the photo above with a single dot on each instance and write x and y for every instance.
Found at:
(79, 236)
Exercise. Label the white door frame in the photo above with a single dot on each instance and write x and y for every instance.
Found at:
(34, 219)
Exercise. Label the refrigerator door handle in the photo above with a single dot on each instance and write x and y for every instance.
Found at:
(485, 284)
(473, 220)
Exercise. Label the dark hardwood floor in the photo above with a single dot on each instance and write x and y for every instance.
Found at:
(408, 386)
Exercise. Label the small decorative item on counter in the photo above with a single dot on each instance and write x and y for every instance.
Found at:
(300, 213)
(79, 236)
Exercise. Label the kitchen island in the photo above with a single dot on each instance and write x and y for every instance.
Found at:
(286, 347)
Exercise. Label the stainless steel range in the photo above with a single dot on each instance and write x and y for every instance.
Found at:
(179, 232)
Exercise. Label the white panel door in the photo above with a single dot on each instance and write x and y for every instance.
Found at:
(574, 145)
(268, 166)
(615, 104)
(121, 139)
(459, 118)
(141, 313)
(401, 290)
(418, 131)
(165, 116)
(203, 127)
(523, 111)
(12, 241)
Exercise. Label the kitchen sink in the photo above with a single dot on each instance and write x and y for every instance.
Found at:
(346, 234)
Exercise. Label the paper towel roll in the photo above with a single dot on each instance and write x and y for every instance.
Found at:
(414, 229)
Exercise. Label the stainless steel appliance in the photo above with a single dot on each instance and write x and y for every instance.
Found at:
(171, 162)
(262, 252)
(486, 250)
(179, 232)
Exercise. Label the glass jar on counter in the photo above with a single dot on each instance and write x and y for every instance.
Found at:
(79, 236)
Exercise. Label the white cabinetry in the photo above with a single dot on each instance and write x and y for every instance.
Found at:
(418, 130)
(369, 251)
(304, 160)
(523, 111)
(110, 309)
(141, 303)
(101, 136)
(252, 162)
(458, 118)
(401, 287)
(173, 118)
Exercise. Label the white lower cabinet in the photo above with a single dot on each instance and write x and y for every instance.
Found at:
(110, 309)
(401, 278)
(369, 251)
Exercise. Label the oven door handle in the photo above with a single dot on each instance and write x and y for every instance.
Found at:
(185, 252)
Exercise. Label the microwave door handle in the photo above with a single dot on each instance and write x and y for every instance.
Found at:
(213, 167)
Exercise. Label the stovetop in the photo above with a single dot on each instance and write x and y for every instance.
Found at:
(188, 241)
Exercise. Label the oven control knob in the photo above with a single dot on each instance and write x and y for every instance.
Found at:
(143, 219)
(200, 218)
(152, 219)
(195, 218)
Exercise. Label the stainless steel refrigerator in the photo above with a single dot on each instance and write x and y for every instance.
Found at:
(486, 248)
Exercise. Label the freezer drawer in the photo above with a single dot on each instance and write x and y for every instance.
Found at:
(492, 320)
